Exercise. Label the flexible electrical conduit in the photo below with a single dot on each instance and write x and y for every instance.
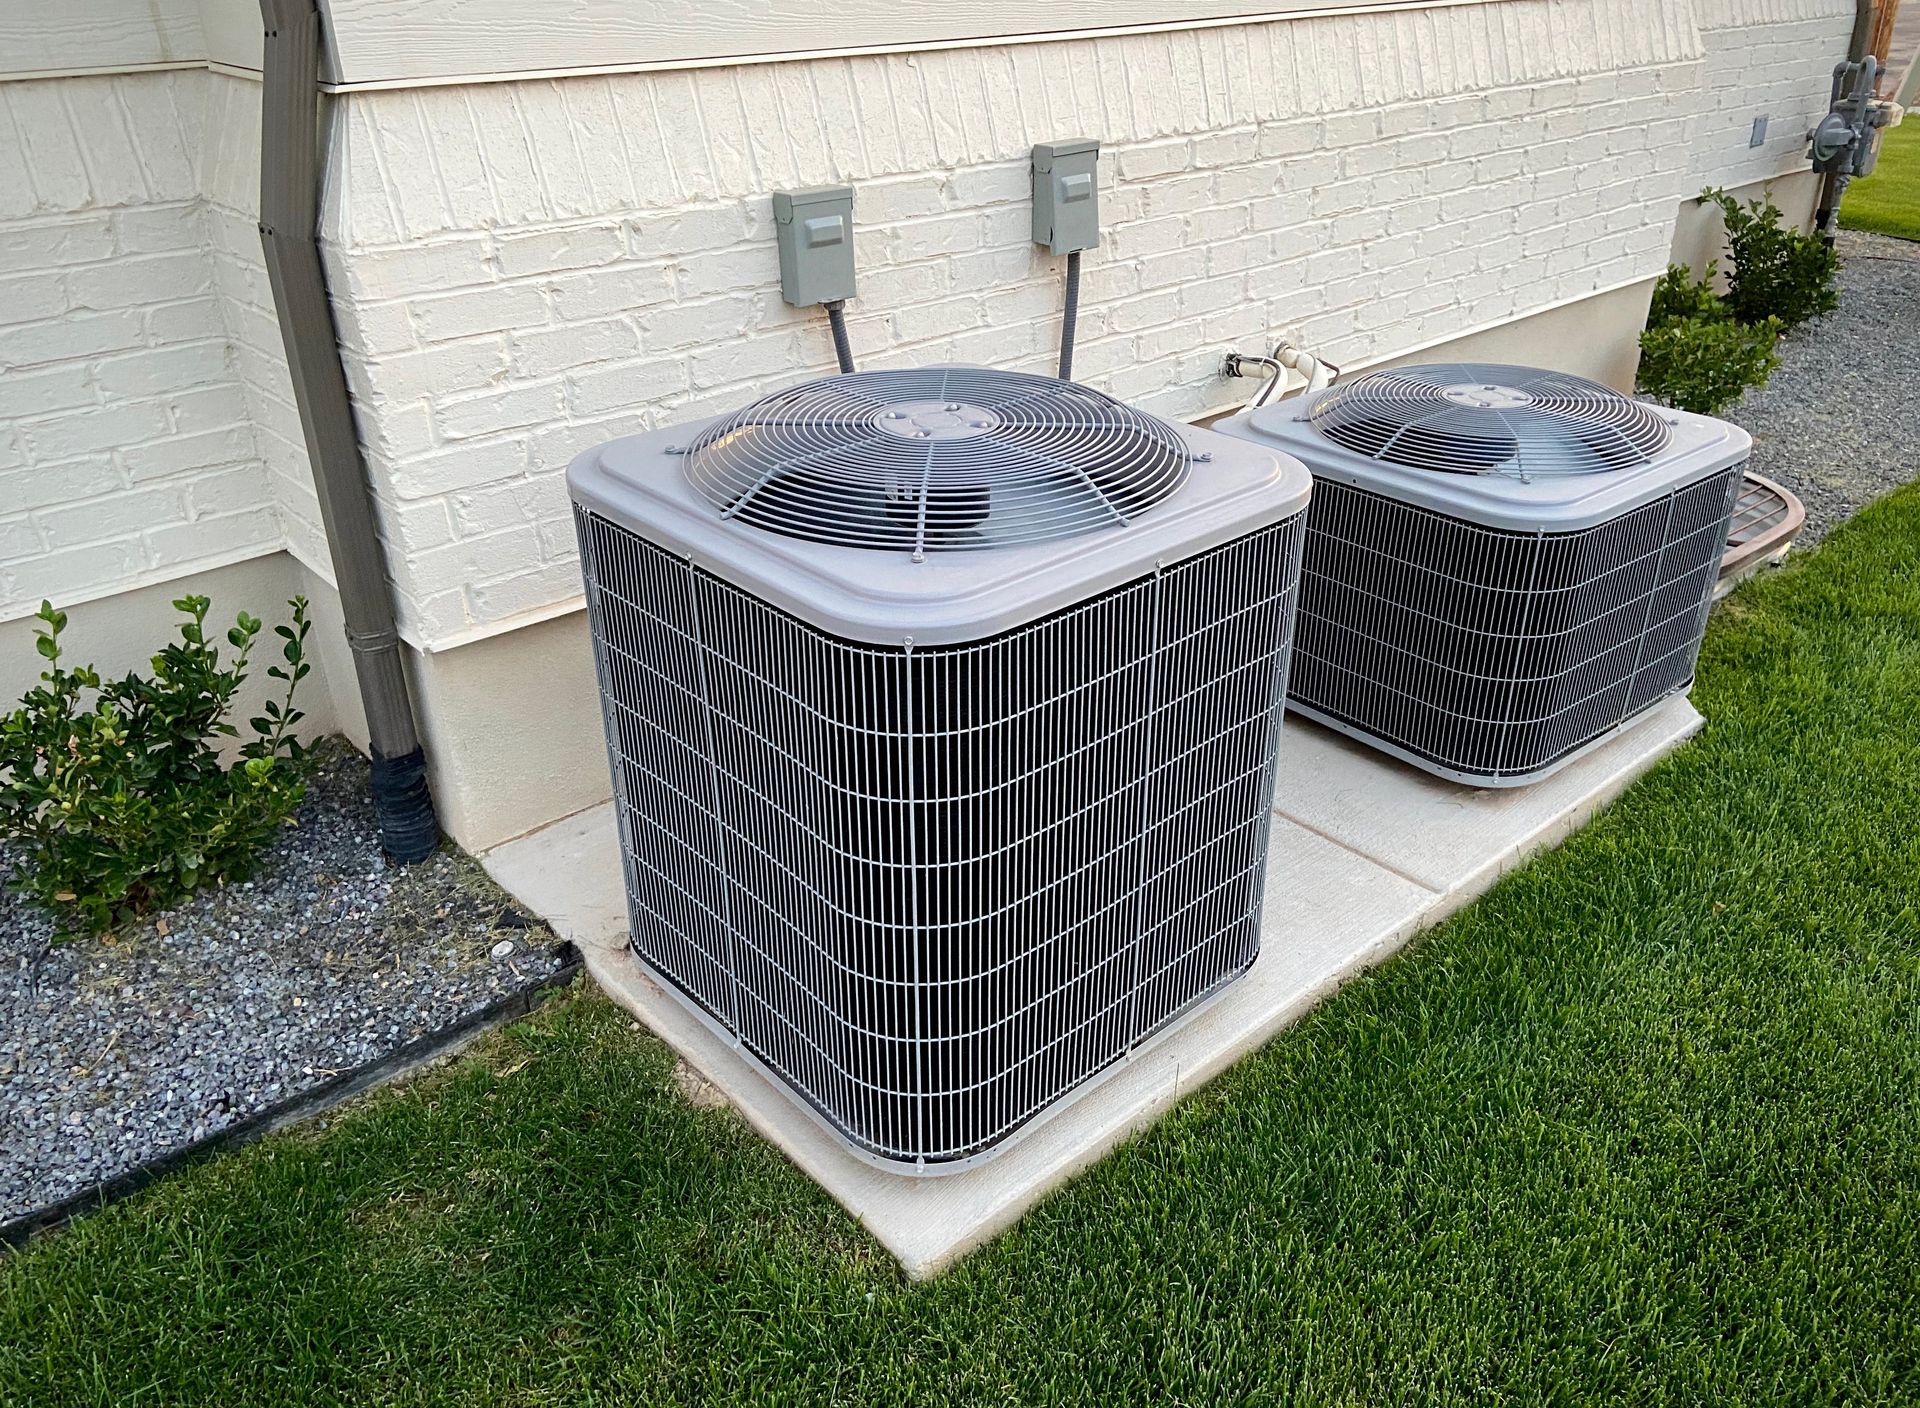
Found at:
(1070, 316)
(842, 346)
(289, 209)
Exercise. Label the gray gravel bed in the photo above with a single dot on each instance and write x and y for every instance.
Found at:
(1839, 422)
(117, 1050)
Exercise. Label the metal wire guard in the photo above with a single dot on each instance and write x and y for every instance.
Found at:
(936, 459)
(1483, 418)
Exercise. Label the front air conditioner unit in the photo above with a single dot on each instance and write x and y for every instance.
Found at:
(942, 707)
(1503, 565)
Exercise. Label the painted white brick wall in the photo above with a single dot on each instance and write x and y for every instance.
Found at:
(1771, 58)
(125, 449)
(523, 270)
(230, 196)
(130, 431)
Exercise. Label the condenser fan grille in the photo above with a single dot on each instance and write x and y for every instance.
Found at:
(936, 459)
(1479, 418)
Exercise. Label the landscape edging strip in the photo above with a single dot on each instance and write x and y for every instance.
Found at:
(15, 1232)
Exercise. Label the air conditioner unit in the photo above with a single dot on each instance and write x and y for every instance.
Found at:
(1503, 565)
(942, 707)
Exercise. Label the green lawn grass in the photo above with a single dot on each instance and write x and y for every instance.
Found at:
(1640, 1127)
(1888, 202)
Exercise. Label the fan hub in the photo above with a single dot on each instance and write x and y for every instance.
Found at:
(1487, 396)
(936, 420)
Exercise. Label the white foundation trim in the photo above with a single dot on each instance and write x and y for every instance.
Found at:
(157, 577)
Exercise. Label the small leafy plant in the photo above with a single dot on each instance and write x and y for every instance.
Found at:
(1679, 296)
(1703, 364)
(1694, 353)
(114, 794)
(1777, 272)
(1701, 350)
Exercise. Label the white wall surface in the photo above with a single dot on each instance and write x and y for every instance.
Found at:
(230, 196)
(98, 34)
(1764, 58)
(402, 42)
(524, 270)
(81, 36)
(146, 421)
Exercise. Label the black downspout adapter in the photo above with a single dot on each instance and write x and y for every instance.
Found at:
(289, 234)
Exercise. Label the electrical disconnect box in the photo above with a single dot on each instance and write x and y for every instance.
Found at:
(814, 229)
(1066, 195)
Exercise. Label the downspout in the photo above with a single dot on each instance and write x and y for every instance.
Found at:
(289, 234)
(1864, 14)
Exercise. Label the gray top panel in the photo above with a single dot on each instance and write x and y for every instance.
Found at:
(1232, 487)
(1696, 447)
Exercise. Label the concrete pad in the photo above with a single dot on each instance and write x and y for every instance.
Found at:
(1365, 852)
(568, 873)
(1451, 838)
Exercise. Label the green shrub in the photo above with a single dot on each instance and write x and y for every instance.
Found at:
(1701, 350)
(114, 795)
(1777, 272)
(1678, 296)
(1702, 364)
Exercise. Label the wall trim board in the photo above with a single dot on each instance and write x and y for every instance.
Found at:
(152, 577)
(102, 71)
(252, 75)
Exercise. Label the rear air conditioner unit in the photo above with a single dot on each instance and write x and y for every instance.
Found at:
(942, 707)
(1503, 565)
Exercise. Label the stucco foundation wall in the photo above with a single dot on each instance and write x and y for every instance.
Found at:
(512, 730)
(1596, 337)
(1700, 236)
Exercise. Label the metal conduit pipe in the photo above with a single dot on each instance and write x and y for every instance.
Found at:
(289, 210)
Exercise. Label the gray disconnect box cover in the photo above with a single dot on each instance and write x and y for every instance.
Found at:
(1066, 195)
(814, 229)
